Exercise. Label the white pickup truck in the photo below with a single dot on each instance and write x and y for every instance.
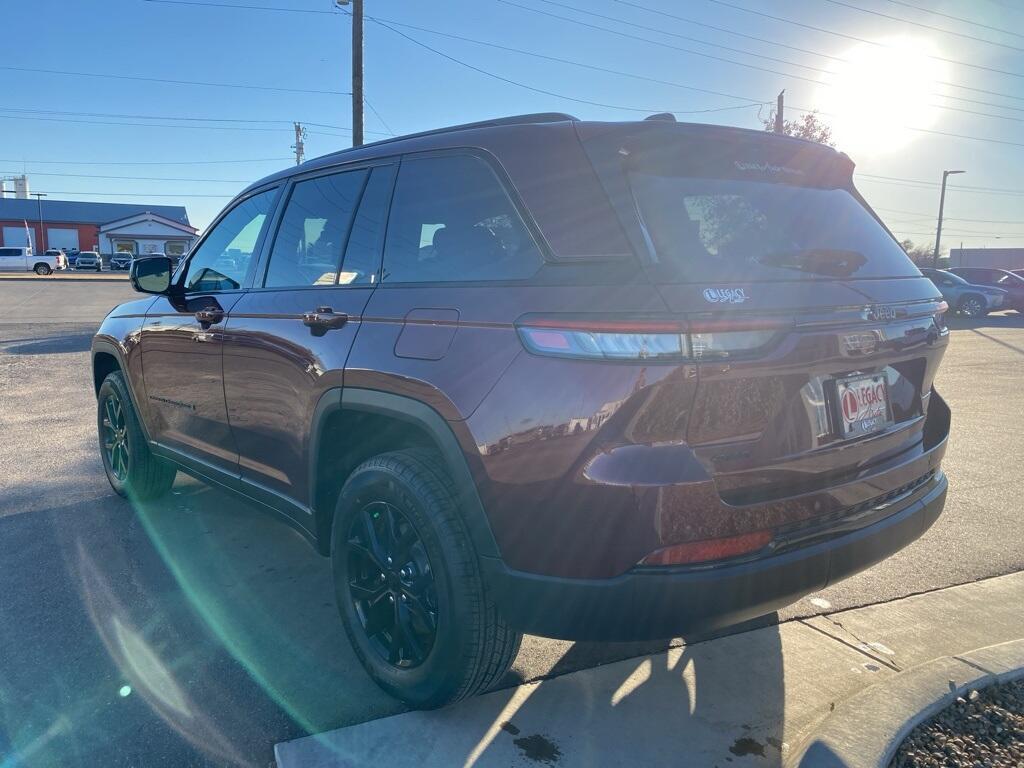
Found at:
(21, 259)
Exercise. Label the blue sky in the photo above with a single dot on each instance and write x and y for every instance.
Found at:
(891, 80)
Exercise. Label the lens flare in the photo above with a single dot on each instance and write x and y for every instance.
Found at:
(878, 94)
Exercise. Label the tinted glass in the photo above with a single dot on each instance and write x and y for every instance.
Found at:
(451, 220)
(727, 229)
(314, 230)
(362, 256)
(222, 261)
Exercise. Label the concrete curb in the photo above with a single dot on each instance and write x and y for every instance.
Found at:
(866, 730)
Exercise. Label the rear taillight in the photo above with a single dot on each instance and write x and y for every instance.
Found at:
(709, 549)
(647, 339)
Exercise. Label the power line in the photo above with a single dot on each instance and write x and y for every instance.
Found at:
(922, 25)
(592, 67)
(956, 18)
(767, 41)
(246, 7)
(373, 109)
(655, 42)
(173, 82)
(982, 139)
(542, 90)
(169, 117)
(145, 162)
(137, 194)
(627, 35)
(134, 178)
(931, 216)
(824, 30)
(950, 186)
(141, 125)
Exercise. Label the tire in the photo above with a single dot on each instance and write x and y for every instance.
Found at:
(42, 269)
(973, 305)
(132, 471)
(472, 646)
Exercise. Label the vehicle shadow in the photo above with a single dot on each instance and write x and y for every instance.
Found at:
(999, 320)
(51, 346)
(679, 706)
(198, 629)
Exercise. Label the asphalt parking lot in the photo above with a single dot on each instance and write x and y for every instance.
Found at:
(196, 631)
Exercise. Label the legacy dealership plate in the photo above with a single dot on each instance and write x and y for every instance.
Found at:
(863, 404)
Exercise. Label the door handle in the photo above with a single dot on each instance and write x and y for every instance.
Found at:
(324, 319)
(208, 317)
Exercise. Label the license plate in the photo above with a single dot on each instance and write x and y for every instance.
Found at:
(863, 405)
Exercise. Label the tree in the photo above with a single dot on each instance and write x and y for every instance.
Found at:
(810, 126)
(921, 254)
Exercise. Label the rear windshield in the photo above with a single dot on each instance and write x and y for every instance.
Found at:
(709, 229)
(732, 206)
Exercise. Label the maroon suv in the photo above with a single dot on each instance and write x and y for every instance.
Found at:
(585, 380)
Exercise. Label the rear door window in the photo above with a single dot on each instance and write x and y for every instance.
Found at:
(314, 231)
(452, 220)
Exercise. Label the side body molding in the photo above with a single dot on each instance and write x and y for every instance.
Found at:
(433, 424)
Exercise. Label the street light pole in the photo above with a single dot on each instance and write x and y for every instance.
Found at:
(942, 204)
(42, 234)
(357, 69)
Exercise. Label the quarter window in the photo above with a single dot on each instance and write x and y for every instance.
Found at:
(451, 220)
(223, 260)
(314, 231)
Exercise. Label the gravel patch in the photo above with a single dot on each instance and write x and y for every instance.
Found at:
(985, 729)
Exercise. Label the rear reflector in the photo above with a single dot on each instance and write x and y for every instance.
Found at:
(646, 339)
(708, 549)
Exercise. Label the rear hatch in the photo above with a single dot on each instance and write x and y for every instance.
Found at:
(816, 338)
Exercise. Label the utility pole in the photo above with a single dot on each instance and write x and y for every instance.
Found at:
(300, 143)
(42, 233)
(779, 106)
(942, 204)
(357, 69)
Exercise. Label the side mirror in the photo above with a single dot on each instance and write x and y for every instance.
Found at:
(151, 275)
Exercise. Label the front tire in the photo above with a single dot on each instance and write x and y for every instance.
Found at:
(132, 471)
(408, 584)
(42, 269)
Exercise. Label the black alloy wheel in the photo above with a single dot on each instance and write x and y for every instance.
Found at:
(115, 436)
(391, 585)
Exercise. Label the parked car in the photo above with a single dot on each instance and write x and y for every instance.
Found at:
(72, 256)
(21, 259)
(89, 260)
(595, 381)
(964, 297)
(996, 278)
(58, 256)
(121, 260)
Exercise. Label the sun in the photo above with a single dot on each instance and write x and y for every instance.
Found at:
(878, 94)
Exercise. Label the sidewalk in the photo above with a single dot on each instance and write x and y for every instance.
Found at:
(757, 698)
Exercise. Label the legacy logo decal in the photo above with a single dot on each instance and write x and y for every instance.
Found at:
(725, 295)
(749, 165)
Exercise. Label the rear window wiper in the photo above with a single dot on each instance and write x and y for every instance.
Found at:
(833, 262)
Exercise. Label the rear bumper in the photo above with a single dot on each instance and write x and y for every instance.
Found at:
(661, 603)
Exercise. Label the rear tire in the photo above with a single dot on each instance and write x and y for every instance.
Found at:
(972, 305)
(42, 269)
(470, 644)
(132, 471)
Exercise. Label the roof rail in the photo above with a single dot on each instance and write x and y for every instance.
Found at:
(528, 119)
